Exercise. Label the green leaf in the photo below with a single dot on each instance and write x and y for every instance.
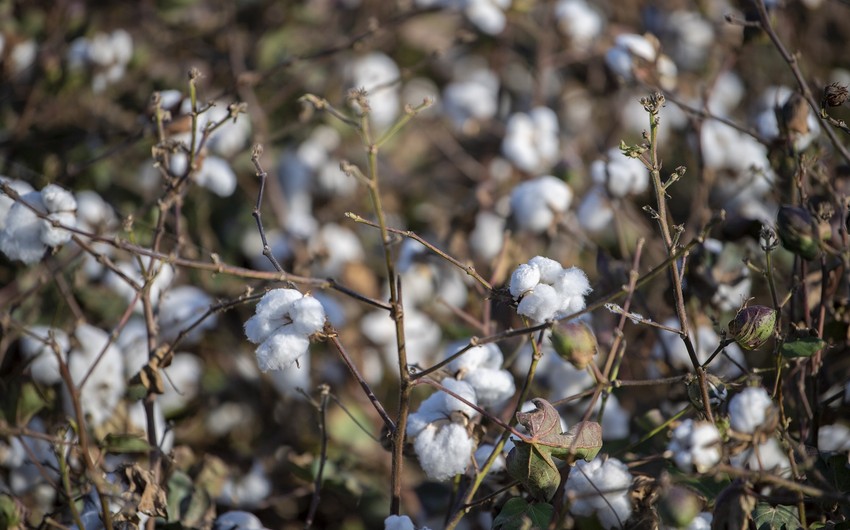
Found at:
(518, 514)
(769, 517)
(125, 443)
(30, 402)
(533, 466)
(802, 347)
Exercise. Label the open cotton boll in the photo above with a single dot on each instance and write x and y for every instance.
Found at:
(834, 438)
(695, 445)
(524, 279)
(443, 451)
(180, 308)
(483, 356)
(334, 247)
(600, 488)
(422, 335)
(377, 73)
(620, 174)
(487, 15)
(133, 342)
(163, 274)
(595, 213)
(440, 405)
(572, 286)
(767, 456)
(44, 365)
(247, 491)
(531, 140)
(749, 409)
(182, 384)
(483, 453)
(615, 421)
(6, 202)
(540, 304)
(492, 386)
(237, 520)
(692, 38)
(580, 22)
(535, 203)
(216, 175)
(487, 238)
(550, 270)
(472, 96)
(21, 238)
(105, 386)
(231, 137)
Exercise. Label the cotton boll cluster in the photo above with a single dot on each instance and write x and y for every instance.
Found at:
(26, 236)
(105, 54)
(579, 21)
(545, 290)
(444, 448)
(783, 100)
(160, 274)
(671, 350)
(180, 308)
(281, 327)
(378, 74)
(104, 388)
(601, 488)
(531, 140)
(481, 367)
(473, 95)
(638, 57)
(37, 349)
(536, 205)
(751, 410)
(695, 445)
(619, 174)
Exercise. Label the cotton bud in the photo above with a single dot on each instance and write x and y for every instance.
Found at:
(834, 95)
(679, 506)
(797, 230)
(575, 343)
(753, 326)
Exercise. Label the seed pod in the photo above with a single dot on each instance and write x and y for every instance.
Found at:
(575, 343)
(834, 95)
(796, 228)
(753, 326)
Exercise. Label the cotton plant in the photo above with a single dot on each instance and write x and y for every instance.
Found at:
(538, 204)
(26, 236)
(634, 56)
(546, 290)
(601, 488)
(531, 140)
(580, 22)
(619, 174)
(442, 444)
(695, 446)
(281, 327)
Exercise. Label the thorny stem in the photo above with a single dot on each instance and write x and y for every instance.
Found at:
(653, 106)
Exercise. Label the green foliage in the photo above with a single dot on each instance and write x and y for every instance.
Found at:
(519, 514)
(778, 517)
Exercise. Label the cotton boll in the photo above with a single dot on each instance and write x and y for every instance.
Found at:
(615, 420)
(247, 491)
(834, 438)
(443, 452)
(21, 236)
(693, 37)
(334, 247)
(237, 520)
(492, 386)
(182, 384)
(133, 342)
(483, 356)
(550, 270)
(768, 456)
(22, 57)
(487, 15)
(562, 378)
(621, 175)
(6, 202)
(422, 335)
(572, 286)
(289, 382)
(163, 274)
(271, 313)
(535, 203)
(483, 453)
(398, 522)
(44, 367)
(726, 94)
(595, 213)
(93, 213)
(695, 445)
(600, 488)
(531, 140)
(216, 175)
(331, 181)
(281, 350)
(487, 238)
(377, 74)
(472, 97)
(671, 349)
(524, 279)
(749, 410)
(463, 389)
(308, 316)
(180, 308)
(541, 304)
(105, 386)
(230, 138)
(579, 21)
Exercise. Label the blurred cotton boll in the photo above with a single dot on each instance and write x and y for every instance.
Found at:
(487, 15)
(638, 56)
(671, 349)
(182, 384)
(160, 274)
(422, 335)
(105, 386)
(834, 438)
(487, 238)
(750, 410)
(595, 213)
(537, 204)
(237, 520)
(692, 38)
(695, 446)
(247, 491)
(6, 202)
(472, 97)
(531, 140)
(621, 175)
(180, 308)
(378, 74)
(775, 100)
(768, 456)
(37, 350)
(601, 488)
(580, 22)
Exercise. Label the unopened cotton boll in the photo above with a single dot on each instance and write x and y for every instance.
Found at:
(535, 204)
(750, 409)
(695, 445)
(443, 451)
(600, 488)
